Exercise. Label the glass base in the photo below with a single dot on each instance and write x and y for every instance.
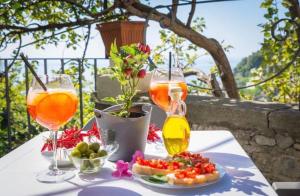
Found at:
(49, 176)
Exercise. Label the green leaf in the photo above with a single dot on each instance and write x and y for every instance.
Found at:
(110, 100)
(129, 50)
(113, 48)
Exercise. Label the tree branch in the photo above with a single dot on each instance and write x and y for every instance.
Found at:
(22, 29)
(198, 73)
(105, 4)
(214, 84)
(174, 10)
(86, 45)
(212, 46)
(191, 14)
(47, 37)
(85, 9)
(85, 48)
(74, 3)
(17, 52)
(210, 80)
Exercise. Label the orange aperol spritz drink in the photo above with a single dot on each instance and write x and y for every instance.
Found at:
(161, 81)
(52, 102)
(53, 108)
(159, 92)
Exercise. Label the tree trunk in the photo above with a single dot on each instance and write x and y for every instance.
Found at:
(211, 45)
(214, 84)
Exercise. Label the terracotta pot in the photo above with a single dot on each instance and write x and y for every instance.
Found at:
(124, 32)
(129, 133)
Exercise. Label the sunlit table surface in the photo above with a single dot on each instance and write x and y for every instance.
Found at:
(19, 167)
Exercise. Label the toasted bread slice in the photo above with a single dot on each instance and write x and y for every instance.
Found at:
(200, 179)
(213, 176)
(146, 170)
(183, 181)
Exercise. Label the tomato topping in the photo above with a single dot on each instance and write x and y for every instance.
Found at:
(186, 164)
(209, 168)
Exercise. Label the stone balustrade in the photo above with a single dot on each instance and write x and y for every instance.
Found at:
(268, 132)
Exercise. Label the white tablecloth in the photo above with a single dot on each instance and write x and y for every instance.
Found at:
(18, 169)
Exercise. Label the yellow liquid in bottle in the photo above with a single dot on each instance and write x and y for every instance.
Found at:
(176, 134)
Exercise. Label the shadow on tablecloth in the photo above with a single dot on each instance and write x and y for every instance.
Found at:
(106, 191)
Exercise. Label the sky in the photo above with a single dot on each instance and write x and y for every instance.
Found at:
(235, 22)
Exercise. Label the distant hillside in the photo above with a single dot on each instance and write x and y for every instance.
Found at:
(243, 68)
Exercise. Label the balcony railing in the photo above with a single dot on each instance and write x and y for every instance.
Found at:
(45, 66)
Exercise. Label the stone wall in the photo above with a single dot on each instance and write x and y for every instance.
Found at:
(268, 132)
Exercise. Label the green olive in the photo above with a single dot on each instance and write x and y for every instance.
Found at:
(94, 146)
(82, 147)
(93, 155)
(89, 152)
(75, 153)
(84, 156)
(101, 153)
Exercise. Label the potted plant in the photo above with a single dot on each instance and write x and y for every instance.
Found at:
(124, 32)
(128, 122)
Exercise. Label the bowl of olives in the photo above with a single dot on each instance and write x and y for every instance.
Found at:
(90, 158)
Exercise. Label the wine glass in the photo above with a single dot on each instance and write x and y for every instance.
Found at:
(52, 108)
(160, 83)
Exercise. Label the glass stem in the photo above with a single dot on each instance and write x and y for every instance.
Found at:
(55, 168)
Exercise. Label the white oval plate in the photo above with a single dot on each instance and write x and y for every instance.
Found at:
(171, 186)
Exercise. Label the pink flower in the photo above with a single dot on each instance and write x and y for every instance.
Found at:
(122, 169)
(147, 49)
(137, 154)
(141, 73)
(144, 48)
(128, 71)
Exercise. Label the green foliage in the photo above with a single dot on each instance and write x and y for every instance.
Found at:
(35, 14)
(252, 61)
(18, 115)
(277, 54)
(18, 119)
(128, 70)
(243, 69)
(273, 56)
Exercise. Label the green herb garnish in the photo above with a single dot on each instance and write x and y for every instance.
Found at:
(158, 179)
(184, 161)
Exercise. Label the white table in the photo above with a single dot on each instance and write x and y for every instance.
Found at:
(18, 169)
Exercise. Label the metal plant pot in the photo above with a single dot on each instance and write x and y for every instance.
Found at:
(130, 133)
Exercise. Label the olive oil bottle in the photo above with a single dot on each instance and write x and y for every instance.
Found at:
(176, 130)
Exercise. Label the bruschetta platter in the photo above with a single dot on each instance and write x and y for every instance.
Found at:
(183, 170)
